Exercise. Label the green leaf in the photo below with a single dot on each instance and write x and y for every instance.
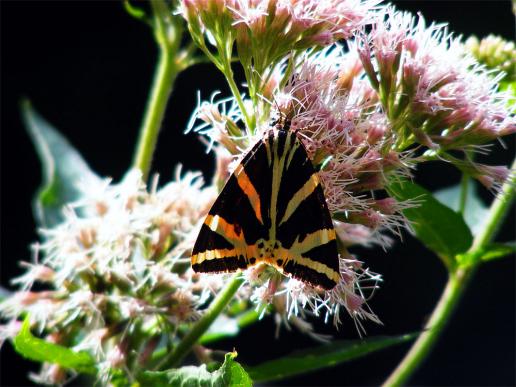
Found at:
(117, 378)
(40, 350)
(233, 373)
(229, 374)
(498, 250)
(321, 357)
(63, 168)
(135, 12)
(489, 253)
(440, 228)
(475, 211)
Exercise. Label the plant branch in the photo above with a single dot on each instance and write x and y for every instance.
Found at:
(497, 213)
(228, 72)
(464, 183)
(426, 340)
(455, 287)
(168, 36)
(202, 325)
(163, 84)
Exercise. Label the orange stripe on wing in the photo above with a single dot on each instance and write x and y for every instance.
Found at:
(247, 186)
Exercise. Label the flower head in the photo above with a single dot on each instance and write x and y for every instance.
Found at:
(495, 53)
(434, 93)
(294, 24)
(268, 32)
(118, 263)
(362, 116)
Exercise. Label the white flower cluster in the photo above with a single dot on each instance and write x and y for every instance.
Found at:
(117, 266)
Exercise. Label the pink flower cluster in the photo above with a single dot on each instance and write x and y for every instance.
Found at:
(336, 115)
(296, 23)
(268, 31)
(434, 92)
(363, 114)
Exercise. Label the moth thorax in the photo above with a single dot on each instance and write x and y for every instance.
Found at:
(270, 252)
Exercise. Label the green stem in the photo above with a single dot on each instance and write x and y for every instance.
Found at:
(163, 84)
(426, 340)
(202, 325)
(497, 213)
(463, 192)
(228, 72)
(464, 185)
(455, 287)
(168, 36)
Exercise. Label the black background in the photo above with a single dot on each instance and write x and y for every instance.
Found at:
(87, 68)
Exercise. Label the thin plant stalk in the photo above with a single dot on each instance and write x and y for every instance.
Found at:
(168, 36)
(421, 348)
(457, 282)
(201, 326)
(161, 90)
(228, 72)
(465, 182)
(464, 185)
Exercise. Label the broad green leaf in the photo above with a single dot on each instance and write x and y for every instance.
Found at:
(62, 168)
(229, 374)
(440, 228)
(321, 357)
(40, 350)
(489, 253)
(475, 211)
(233, 373)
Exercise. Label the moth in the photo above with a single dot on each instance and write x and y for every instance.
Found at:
(272, 210)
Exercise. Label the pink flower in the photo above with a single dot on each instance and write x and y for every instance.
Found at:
(429, 84)
(266, 32)
(304, 22)
(361, 114)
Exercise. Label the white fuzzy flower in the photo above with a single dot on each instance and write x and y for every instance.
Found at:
(116, 264)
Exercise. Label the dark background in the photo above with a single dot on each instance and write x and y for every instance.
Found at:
(87, 68)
